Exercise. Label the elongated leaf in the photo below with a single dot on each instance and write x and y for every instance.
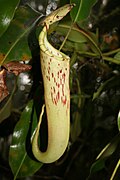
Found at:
(92, 40)
(82, 9)
(118, 120)
(97, 166)
(107, 151)
(110, 148)
(14, 42)
(7, 10)
(21, 163)
(117, 56)
(74, 35)
(78, 35)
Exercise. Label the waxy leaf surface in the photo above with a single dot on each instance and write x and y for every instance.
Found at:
(74, 35)
(14, 42)
(21, 159)
(82, 9)
(7, 10)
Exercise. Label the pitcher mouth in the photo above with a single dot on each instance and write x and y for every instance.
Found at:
(46, 47)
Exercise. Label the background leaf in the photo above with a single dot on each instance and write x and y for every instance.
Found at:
(110, 148)
(74, 35)
(117, 56)
(118, 120)
(82, 9)
(7, 10)
(97, 166)
(14, 42)
(21, 159)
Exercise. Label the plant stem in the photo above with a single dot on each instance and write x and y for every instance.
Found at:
(106, 58)
(116, 61)
(66, 36)
(111, 52)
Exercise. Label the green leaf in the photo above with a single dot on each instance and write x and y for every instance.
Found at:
(74, 35)
(78, 35)
(7, 10)
(62, 3)
(92, 40)
(110, 148)
(21, 159)
(82, 9)
(97, 166)
(107, 151)
(14, 42)
(118, 120)
(117, 56)
(77, 47)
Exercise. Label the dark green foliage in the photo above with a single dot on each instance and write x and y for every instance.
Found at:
(93, 45)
